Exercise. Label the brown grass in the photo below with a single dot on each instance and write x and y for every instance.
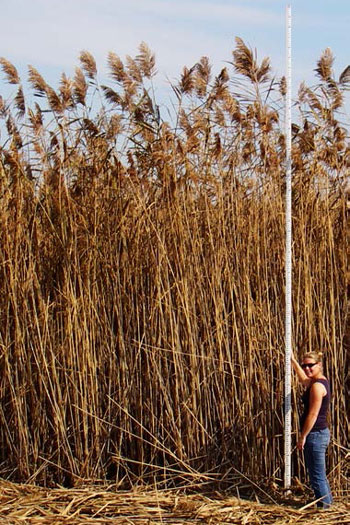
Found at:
(27, 504)
(142, 274)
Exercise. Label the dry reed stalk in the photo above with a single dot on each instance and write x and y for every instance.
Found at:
(142, 273)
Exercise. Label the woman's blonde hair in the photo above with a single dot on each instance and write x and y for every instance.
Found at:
(317, 356)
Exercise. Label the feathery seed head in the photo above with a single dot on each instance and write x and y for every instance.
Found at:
(88, 64)
(10, 71)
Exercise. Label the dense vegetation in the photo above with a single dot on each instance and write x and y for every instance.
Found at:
(142, 271)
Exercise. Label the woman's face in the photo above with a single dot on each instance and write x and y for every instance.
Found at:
(310, 367)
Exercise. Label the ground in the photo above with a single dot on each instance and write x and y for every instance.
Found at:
(28, 504)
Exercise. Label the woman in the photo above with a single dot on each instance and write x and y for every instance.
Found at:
(314, 431)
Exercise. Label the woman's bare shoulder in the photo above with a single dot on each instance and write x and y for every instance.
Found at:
(318, 387)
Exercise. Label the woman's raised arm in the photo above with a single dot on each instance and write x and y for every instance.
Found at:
(304, 380)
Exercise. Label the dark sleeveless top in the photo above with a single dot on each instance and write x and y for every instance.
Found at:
(321, 421)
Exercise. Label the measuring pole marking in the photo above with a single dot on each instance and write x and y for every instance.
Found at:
(288, 262)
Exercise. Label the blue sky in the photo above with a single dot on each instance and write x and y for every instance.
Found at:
(49, 34)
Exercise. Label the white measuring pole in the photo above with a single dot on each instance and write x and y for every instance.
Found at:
(288, 268)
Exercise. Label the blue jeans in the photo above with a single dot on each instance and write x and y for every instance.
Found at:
(315, 459)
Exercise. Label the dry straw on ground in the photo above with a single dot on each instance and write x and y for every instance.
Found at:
(142, 272)
(24, 504)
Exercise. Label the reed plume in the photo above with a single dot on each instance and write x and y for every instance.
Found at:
(10, 71)
(88, 64)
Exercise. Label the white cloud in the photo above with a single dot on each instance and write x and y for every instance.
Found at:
(208, 11)
(53, 32)
(49, 34)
